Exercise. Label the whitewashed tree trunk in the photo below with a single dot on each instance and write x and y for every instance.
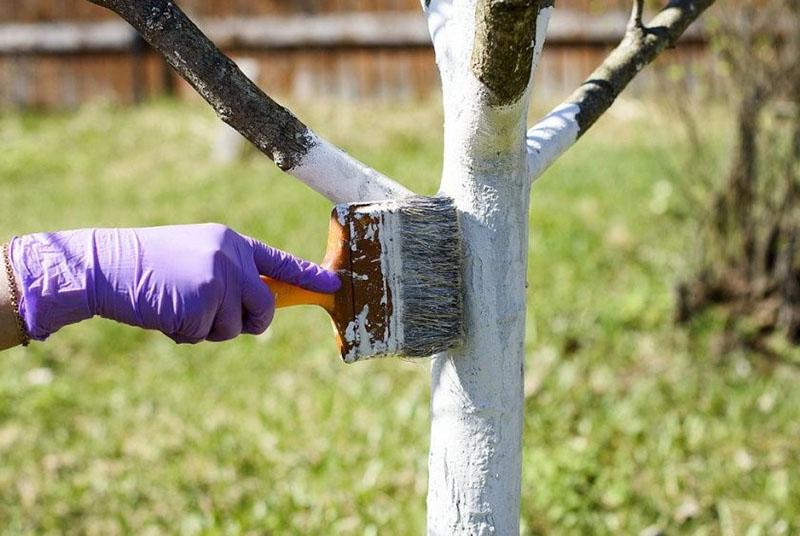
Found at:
(477, 393)
(486, 51)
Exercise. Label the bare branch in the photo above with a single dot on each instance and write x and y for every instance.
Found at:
(640, 46)
(244, 106)
(635, 21)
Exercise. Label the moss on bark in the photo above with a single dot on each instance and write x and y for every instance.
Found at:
(505, 31)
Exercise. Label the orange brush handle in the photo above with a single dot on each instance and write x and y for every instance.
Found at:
(287, 295)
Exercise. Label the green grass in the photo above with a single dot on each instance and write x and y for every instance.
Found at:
(106, 429)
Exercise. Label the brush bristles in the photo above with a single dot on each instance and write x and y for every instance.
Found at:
(431, 290)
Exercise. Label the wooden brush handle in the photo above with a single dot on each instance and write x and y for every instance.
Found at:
(287, 295)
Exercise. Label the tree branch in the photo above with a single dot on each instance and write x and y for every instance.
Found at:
(240, 103)
(635, 21)
(641, 44)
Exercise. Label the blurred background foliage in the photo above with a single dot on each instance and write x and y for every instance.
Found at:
(749, 224)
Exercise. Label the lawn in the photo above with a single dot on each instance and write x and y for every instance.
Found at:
(633, 424)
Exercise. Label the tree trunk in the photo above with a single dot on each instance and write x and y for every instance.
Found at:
(477, 392)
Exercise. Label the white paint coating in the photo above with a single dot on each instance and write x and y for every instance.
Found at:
(357, 334)
(477, 397)
(541, 32)
(550, 137)
(341, 178)
(477, 390)
(392, 268)
(369, 234)
(341, 213)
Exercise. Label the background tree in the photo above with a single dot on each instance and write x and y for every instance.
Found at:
(748, 247)
(487, 52)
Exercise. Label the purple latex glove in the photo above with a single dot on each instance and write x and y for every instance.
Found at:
(191, 282)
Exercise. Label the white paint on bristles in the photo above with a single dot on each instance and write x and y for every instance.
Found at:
(416, 305)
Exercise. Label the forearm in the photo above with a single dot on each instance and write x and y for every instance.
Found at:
(9, 329)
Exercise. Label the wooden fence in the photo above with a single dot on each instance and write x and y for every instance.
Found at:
(56, 53)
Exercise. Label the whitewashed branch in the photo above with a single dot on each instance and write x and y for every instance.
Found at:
(239, 102)
(340, 177)
(641, 44)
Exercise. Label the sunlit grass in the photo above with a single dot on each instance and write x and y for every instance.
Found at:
(631, 422)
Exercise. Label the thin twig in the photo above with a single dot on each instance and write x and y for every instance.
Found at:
(635, 22)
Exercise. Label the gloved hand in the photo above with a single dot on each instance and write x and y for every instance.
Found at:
(191, 282)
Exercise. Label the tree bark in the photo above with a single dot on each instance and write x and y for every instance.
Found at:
(485, 51)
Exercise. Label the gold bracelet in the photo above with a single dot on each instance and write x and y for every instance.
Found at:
(14, 292)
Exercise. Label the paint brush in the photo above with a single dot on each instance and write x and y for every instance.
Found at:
(400, 264)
